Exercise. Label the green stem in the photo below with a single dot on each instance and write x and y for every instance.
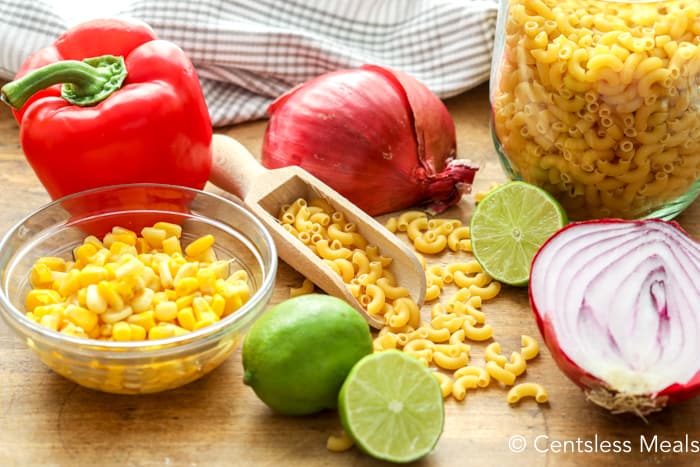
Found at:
(85, 82)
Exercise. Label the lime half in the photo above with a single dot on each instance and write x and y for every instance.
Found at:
(391, 406)
(508, 227)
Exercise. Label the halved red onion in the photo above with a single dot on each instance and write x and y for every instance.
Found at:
(618, 306)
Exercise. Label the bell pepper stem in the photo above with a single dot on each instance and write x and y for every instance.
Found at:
(85, 83)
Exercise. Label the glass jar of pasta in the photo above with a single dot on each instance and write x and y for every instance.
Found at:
(598, 102)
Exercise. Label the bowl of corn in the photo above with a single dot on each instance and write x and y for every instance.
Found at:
(135, 288)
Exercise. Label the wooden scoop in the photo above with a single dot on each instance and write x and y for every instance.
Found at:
(265, 191)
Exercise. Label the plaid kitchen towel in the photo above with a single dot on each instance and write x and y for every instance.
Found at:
(248, 52)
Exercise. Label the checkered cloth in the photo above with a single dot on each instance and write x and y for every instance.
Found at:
(248, 52)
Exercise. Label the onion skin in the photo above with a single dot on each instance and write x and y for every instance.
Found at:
(593, 386)
(378, 137)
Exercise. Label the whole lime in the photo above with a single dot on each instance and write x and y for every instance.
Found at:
(297, 355)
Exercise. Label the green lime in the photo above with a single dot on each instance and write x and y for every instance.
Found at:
(392, 407)
(297, 355)
(508, 227)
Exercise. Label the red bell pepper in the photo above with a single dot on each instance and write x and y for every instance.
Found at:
(109, 103)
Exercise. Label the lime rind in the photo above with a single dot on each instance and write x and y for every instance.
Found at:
(513, 209)
(392, 407)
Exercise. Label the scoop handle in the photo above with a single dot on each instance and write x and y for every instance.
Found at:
(234, 168)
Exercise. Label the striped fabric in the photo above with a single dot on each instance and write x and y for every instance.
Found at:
(248, 52)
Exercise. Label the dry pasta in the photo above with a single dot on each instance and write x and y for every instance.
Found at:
(590, 96)
(533, 390)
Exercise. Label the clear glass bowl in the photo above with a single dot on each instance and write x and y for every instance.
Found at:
(143, 366)
(599, 103)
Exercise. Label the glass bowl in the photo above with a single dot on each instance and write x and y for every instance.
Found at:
(149, 365)
(598, 102)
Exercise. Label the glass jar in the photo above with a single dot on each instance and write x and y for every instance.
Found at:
(598, 102)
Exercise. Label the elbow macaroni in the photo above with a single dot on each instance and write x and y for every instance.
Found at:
(582, 88)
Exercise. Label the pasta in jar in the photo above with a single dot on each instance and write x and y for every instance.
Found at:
(599, 103)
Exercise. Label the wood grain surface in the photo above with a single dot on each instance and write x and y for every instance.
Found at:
(47, 420)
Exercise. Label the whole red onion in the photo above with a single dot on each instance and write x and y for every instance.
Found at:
(617, 305)
(378, 137)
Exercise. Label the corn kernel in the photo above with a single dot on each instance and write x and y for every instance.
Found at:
(94, 301)
(125, 235)
(41, 276)
(50, 321)
(186, 286)
(185, 301)
(108, 291)
(81, 317)
(117, 315)
(185, 317)
(83, 253)
(138, 333)
(130, 267)
(92, 240)
(121, 331)
(162, 331)
(53, 262)
(154, 236)
(166, 311)
(144, 319)
(171, 245)
(91, 274)
(73, 330)
(186, 270)
(199, 246)
(218, 304)
(207, 280)
(171, 230)
(142, 245)
(70, 283)
(39, 297)
(56, 309)
(166, 277)
(200, 308)
(207, 320)
(142, 301)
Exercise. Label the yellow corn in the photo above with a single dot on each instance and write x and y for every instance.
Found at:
(50, 321)
(121, 331)
(91, 239)
(142, 301)
(83, 253)
(199, 246)
(154, 236)
(166, 311)
(39, 297)
(81, 317)
(56, 309)
(207, 280)
(171, 230)
(171, 245)
(94, 300)
(41, 276)
(91, 274)
(124, 235)
(70, 283)
(138, 333)
(218, 305)
(127, 287)
(145, 319)
(185, 317)
(52, 262)
(108, 292)
(186, 286)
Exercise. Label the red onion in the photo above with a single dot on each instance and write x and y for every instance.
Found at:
(617, 305)
(378, 137)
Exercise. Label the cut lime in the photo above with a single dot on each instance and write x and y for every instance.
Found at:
(391, 406)
(508, 227)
